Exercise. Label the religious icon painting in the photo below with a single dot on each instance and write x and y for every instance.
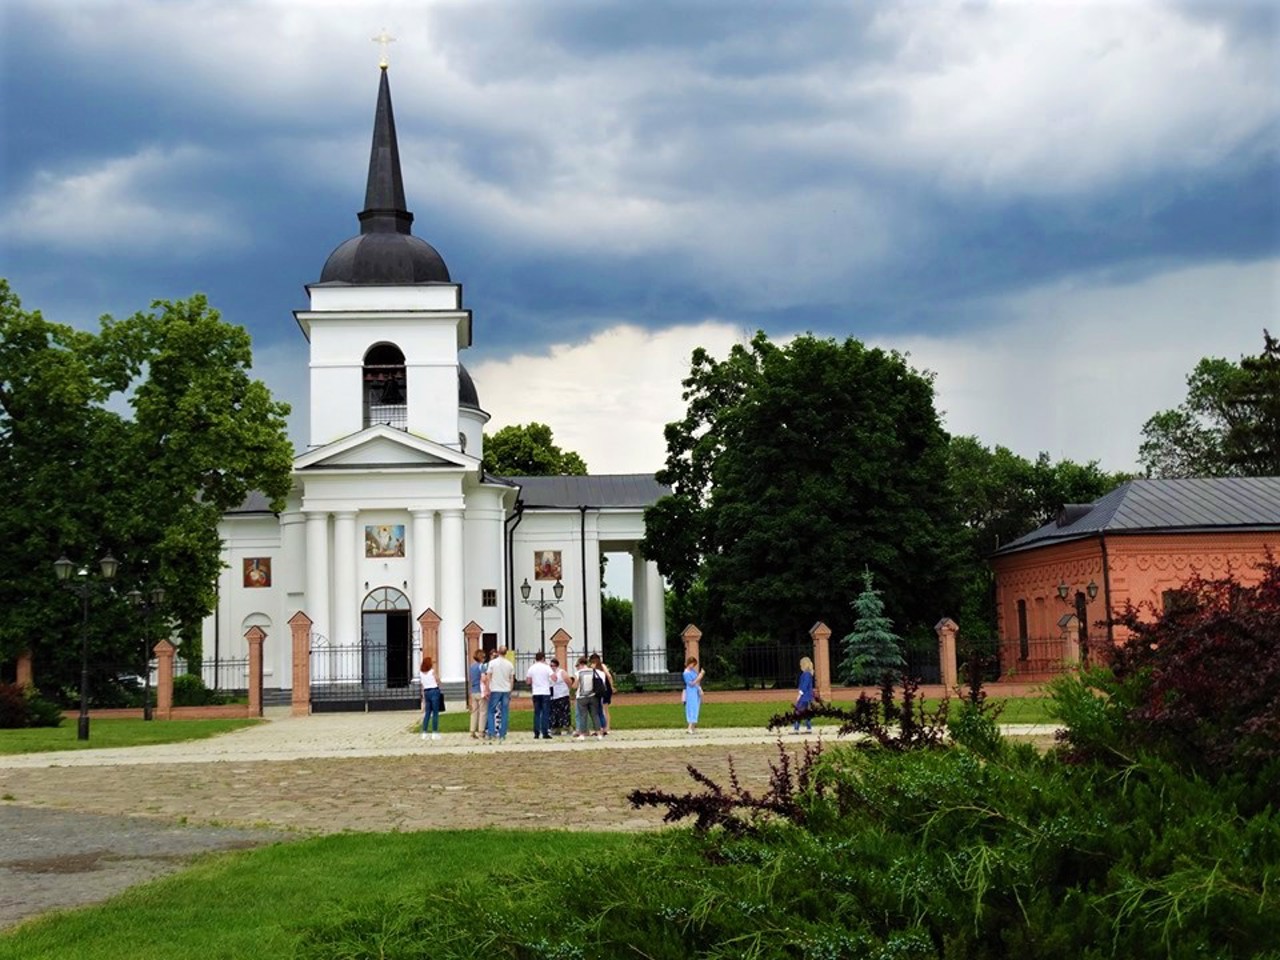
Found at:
(384, 540)
(546, 564)
(257, 571)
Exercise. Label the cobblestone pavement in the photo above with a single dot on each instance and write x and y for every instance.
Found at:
(123, 815)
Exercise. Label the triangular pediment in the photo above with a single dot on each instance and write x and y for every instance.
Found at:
(383, 447)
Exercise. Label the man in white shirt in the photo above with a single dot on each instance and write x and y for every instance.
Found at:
(539, 680)
(502, 676)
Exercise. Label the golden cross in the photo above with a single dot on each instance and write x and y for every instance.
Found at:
(384, 39)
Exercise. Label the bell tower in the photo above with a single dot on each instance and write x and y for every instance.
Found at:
(386, 321)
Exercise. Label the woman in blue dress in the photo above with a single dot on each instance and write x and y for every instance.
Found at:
(692, 693)
(804, 695)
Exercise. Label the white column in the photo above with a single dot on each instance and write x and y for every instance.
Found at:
(452, 597)
(640, 663)
(639, 635)
(655, 613)
(317, 606)
(345, 627)
(423, 550)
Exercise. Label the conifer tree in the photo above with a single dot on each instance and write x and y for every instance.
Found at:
(872, 649)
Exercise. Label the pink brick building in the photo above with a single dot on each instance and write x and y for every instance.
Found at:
(1139, 544)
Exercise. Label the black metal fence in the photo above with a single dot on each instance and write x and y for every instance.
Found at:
(653, 669)
(364, 676)
(223, 675)
(771, 666)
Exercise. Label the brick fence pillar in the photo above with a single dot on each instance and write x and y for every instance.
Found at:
(821, 635)
(560, 641)
(255, 636)
(691, 636)
(164, 680)
(473, 634)
(26, 674)
(946, 629)
(429, 621)
(300, 629)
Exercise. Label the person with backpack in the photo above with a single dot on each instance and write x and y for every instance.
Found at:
(604, 692)
(584, 683)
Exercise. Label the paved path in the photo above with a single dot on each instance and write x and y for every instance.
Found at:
(97, 820)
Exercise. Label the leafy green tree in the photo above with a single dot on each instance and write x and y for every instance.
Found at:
(1229, 424)
(795, 466)
(1252, 443)
(529, 451)
(82, 479)
(871, 649)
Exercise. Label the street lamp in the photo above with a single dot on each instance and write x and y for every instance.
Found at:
(148, 605)
(1082, 616)
(542, 604)
(82, 587)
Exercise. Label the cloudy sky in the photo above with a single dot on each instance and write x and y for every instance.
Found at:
(1056, 207)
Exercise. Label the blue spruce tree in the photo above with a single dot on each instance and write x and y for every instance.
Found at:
(872, 649)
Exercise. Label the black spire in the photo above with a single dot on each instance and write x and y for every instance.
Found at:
(385, 251)
(384, 206)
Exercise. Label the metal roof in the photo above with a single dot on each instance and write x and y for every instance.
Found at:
(604, 490)
(255, 502)
(1198, 504)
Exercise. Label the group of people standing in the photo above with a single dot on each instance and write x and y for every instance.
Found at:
(491, 678)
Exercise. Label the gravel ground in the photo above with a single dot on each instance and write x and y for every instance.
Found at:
(55, 858)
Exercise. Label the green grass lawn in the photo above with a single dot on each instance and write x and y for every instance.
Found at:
(252, 904)
(114, 733)
(663, 716)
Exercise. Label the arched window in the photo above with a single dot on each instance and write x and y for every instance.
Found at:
(385, 396)
(385, 598)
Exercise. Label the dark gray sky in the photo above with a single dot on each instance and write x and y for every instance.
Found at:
(1057, 207)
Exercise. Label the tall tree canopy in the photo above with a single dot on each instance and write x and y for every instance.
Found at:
(1229, 424)
(529, 451)
(83, 479)
(794, 468)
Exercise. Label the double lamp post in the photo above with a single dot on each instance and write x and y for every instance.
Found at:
(83, 586)
(542, 604)
(1082, 614)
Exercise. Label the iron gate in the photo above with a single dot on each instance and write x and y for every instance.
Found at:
(370, 675)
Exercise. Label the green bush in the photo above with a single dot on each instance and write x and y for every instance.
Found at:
(24, 707)
(42, 712)
(189, 690)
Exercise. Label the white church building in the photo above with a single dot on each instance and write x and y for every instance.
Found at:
(391, 513)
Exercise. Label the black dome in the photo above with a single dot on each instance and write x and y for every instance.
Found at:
(385, 257)
(467, 396)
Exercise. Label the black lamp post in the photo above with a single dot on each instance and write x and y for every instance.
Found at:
(1082, 614)
(149, 605)
(542, 604)
(82, 587)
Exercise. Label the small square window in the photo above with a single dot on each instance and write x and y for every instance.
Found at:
(488, 598)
